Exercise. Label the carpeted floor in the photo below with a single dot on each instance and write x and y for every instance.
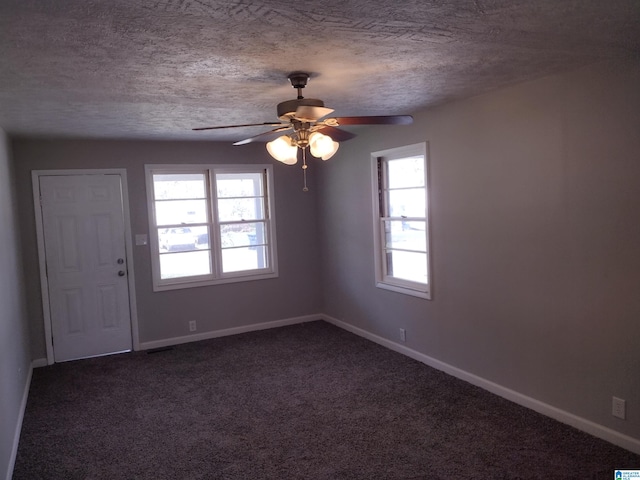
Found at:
(308, 401)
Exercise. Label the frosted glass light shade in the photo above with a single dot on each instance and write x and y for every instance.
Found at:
(282, 150)
(322, 146)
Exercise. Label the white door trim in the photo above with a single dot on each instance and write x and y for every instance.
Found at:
(44, 284)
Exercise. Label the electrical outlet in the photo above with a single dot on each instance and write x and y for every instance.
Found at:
(403, 335)
(618, 408)
(192, 325)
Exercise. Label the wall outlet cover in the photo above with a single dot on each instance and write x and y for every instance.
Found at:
(618, 408)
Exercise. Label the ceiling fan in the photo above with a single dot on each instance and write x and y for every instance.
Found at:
(302, 117)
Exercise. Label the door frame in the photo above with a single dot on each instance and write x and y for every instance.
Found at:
(128, 244)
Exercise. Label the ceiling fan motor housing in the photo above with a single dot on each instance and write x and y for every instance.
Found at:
(299, 79)
(287, 109)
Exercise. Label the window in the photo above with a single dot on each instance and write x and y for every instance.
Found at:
(401, 220)
(210, 224)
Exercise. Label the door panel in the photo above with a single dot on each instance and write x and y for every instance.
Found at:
(71, 310)
(83, 227)
(108, 307)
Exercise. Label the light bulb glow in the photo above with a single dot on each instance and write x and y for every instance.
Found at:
(283, 150)
(322, 146)
(334, 149)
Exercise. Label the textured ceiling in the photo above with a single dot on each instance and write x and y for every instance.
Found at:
(157, 68)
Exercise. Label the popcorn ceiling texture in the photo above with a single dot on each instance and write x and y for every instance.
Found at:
(155, 69)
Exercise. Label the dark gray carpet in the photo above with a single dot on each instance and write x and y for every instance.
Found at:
(303, 402)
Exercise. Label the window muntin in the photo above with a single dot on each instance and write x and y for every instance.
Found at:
(210, 224)
(401, 219)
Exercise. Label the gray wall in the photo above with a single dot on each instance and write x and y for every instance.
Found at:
(535, 202)
(536, 232)
(15, 358)
(165, 315)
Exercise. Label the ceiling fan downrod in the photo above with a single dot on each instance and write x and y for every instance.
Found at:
(299, 81)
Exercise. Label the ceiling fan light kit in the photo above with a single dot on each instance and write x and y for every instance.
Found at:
(283, 150)
(303, 116)
(322, 146)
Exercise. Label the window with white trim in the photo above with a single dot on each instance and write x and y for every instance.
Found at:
(210, 224)
(401, 223)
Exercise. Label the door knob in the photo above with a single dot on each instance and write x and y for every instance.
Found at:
(121, 273)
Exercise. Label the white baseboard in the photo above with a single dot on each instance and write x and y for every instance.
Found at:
(167, 342)
(595, 429)
(16, 435)
(630, 443)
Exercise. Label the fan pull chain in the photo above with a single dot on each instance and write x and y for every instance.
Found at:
(304, 169)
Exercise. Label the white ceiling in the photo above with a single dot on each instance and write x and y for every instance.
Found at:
(157, 68)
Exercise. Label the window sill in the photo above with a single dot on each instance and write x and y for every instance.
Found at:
(405, 290)
(210, 282)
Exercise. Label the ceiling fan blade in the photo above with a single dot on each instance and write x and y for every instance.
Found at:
(264, 134)
(265, 124)
(307, 113)
(336, 134)
(376, 120)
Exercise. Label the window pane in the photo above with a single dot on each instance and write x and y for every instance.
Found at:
(407, 266)
(239, 184)
(242, 235)
(406, 235)
(240, 209)
(246, 258)
(176, 212)
(201, 235)
(407, 203)
(179, 186)
(185, 264)
(179, 239)
(406, 172)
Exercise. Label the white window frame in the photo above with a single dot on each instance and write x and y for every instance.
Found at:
(383, 278)
(217, 276)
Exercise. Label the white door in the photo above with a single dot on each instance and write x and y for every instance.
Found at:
(84, 237)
